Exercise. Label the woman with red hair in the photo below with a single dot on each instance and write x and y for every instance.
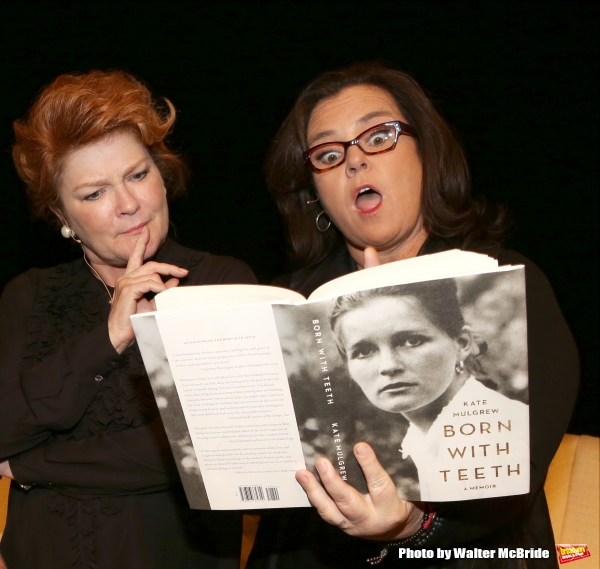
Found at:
(95, 483)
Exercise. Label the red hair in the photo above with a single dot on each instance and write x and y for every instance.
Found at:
(76, 110)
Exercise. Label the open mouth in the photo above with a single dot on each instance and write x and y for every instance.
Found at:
(368, 199)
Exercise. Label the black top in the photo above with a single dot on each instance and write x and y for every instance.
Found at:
(80, 426)
(299, 538)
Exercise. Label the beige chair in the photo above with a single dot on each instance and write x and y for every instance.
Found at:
(4, 485)
(250, 527)
(572, 490)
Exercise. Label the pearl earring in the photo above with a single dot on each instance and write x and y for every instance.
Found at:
(459, 367)
(67, 232)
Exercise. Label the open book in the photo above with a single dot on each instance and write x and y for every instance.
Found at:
(425, 359)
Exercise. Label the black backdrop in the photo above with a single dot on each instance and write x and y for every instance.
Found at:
(517, 79)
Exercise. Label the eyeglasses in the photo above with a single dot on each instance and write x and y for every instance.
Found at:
(375, 140)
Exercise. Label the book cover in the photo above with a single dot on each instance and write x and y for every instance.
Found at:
(432, 374)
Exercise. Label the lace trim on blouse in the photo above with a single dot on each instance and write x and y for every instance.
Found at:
(70, 303)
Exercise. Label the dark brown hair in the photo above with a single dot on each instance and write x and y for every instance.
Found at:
(75, 110)
(439, 301)
(446, 206)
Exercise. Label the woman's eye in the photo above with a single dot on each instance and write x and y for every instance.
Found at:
(414, 341)
(378, 138)
(362, 352)
(93, 197)
(329, 157)
(139, 175)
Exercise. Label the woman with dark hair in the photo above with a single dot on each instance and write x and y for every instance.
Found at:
(364, 170)
(95, 484)
(410, 352)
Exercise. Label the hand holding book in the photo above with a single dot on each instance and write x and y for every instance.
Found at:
(380, 515)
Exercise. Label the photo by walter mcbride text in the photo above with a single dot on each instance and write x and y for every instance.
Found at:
(474, 553)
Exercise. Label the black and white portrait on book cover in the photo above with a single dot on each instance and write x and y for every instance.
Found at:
(433, 375)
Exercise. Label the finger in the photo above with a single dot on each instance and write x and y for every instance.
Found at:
(136, 259)
(172, 283)
(160, 268)
(382, 489)
(349, 501)
(144, 305)
(135, 290)
(319, 498)
(132, 280)
(136, 277)
(371, 258)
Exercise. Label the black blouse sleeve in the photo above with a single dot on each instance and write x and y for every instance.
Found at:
(123, 461)
(55, 393)
(553, 384)
(130, 461)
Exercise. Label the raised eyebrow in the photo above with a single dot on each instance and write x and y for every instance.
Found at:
(103, 182)
(360, 121)
(134, 166)
(372, 115)
(322, 134)
(91, 184)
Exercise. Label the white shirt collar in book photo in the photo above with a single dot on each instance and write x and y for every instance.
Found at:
(489, 430)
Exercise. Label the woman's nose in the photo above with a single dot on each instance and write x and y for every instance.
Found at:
(390, 363)
(127, 202)
(356, 160)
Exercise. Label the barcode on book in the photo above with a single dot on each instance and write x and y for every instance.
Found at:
(272, 493)
(257, 494)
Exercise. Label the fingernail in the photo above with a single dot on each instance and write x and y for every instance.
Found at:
(184, 270)
(322, 466)
(361, 450)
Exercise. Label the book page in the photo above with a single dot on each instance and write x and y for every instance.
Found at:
(182, 298)
(428, 267)
(233, 388)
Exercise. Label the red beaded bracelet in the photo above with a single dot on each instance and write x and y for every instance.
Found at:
(427, 529)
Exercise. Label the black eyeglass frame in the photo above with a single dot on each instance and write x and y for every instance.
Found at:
(401, 128)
